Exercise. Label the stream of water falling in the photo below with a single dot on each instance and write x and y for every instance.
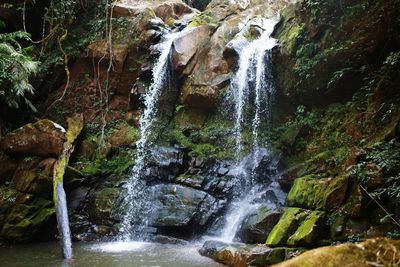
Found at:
(136, 196)
(254, 76)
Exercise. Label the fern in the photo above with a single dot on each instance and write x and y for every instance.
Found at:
(15, 70)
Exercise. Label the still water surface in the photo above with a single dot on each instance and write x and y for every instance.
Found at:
(132, 254)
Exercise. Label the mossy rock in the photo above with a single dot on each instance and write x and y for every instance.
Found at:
(320, 194)
(104, 205)
(34, 176)
(287, 225)
(309, 230)
(123, 135)
(373, 252)
(27, 218)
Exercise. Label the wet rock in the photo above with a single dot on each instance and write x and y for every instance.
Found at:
(165, 163)
(179, 206)
(372, 252)
(194, 181)
(238, 255)
(219, 186)
(162, 239)
(321, 194)
(257, 226)
(43, 138)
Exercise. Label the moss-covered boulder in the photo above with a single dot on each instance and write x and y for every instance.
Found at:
(27, 218)
(309, 231)
(43, 138)
(320, 194)
(34, 176)
(104, 206)
(287, 225)
(373, 252)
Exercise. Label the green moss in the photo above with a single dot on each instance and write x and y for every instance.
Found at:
(321, 194)
(202, 19)
(286, 226)
(309, 230)
(104, 202)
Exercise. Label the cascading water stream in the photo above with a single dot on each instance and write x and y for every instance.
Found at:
(135, 199)
(254, 76)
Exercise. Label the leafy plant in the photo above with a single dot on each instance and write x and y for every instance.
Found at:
(16, 67)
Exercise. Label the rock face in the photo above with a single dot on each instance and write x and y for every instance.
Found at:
(43, 138)
(308, 43)
(210, 70)
(373, 252)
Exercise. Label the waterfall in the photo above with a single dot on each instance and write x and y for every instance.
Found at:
(251, 87)
(136, 196)
(254, 73)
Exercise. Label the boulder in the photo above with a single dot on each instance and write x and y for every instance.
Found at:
(238, 254)
(165, 10)
(180, 206)
(257, 225)
(321, 194)
(298, 227)
(372, 252)
(309, 231)
(35, 176)
(104, 206)
(27, 219)
(287, 225)
(186, 45)
(43, 138)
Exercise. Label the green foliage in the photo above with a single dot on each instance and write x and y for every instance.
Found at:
(117, 164)
(392, 59)
(385, 155)
(16, 67)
